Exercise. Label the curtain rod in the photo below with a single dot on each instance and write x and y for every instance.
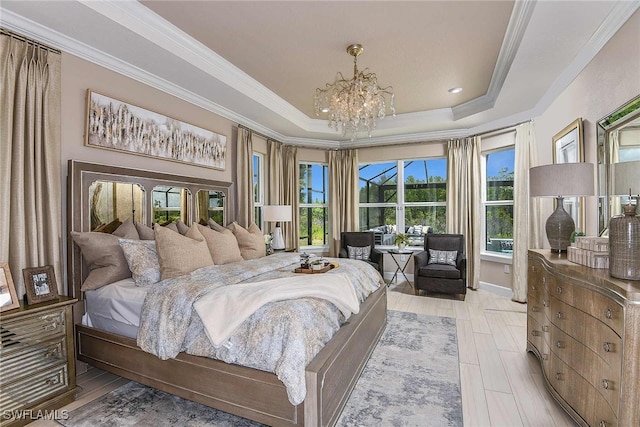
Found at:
(506, 128)
(257, 133)
(27, 40)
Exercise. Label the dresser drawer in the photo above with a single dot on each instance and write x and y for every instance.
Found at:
(599, 306)
(598, 372)
(34, 388)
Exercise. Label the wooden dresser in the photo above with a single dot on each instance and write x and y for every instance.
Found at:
(584, 326)
(37, 359)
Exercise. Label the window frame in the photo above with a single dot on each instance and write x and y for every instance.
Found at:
(325, 206)
(484, 253)
(400, 205)
(258, 198)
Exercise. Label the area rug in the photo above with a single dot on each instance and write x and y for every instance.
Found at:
(412, 379)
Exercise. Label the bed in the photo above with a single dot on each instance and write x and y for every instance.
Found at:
(251, 393)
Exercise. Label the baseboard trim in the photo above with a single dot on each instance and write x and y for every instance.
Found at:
(498, 290)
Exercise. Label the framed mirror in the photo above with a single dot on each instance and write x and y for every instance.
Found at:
(170, 204)
(111, 203)
(618, 140)
(568, 147)
(210, 205)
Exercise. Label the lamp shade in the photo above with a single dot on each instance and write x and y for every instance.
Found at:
(563, 179)
(626, 179)
(277, 213)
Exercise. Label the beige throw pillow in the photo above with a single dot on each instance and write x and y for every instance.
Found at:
(215, 226)
(180, 254)
(250, 241)
(104, 257)
(127, 230)
(223, 245)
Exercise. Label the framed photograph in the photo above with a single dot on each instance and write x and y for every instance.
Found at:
(8, 298)
(118, 125)
(568, 147)
(40, 284)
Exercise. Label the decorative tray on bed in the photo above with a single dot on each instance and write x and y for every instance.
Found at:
(324, 269)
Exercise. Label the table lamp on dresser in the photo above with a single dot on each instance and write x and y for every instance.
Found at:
(561, 180)
(278, 214)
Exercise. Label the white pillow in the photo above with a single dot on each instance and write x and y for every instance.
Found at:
(442, 257)
(359, 252)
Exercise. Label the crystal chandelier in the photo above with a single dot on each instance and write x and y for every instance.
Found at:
(357, 103)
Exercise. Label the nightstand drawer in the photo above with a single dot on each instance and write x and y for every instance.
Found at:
(33, 388)
(31, 329)
(25, 360)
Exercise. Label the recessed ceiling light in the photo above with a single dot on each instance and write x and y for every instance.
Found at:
(455, 90)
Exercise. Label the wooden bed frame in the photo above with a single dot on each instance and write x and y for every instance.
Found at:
(250, 393)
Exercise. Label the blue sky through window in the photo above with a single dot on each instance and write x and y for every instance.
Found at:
(500, 160)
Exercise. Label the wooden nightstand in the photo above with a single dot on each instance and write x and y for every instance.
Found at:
(37, 360)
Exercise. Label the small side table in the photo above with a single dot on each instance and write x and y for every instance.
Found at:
(396, 256)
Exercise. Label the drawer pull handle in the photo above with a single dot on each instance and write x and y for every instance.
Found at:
(544, 303)
(533, 268)
(52, 381)
(607, 347)
(535, 333)
(608, 313)
(606, 384)
(559, 315)
(535, 309)
(49, 327)
(603, 423)
(51, 354)
(545, 356)
(545, 328)
(534, 287)
(544, 280)
(559, 289)
(560, 344)
(559, 376)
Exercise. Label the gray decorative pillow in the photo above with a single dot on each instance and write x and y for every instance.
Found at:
(127, 230)
(145, 232)
(359, 252)
(442, 257)
(142, 257)
(103, 256)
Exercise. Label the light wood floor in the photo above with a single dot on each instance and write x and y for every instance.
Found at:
(502, 385)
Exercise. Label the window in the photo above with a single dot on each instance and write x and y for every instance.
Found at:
(498, 201)
(415, 206)
(314, 204)
(258, 187)
(210, 205)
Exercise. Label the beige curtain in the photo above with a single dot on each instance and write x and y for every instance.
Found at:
(463, 200)
(244, 179)
(526, 210)
(30, 165)
(614, 153)
(283, 184)
(343, 195)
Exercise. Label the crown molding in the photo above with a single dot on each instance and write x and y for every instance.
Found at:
(518, 22)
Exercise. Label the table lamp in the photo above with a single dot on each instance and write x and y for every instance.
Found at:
(277, 214)
(624, 230)
(559, 181)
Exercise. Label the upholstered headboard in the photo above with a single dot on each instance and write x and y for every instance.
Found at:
(82, 175)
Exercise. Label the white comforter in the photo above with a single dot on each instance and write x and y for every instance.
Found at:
(224, 309)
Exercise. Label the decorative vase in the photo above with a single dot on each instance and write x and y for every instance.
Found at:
(559, 227)
(624, 245)
(401, 246)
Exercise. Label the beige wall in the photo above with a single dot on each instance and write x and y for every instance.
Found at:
(609, 80)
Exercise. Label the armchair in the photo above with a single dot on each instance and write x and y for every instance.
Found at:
(362, 239)
(440, 276)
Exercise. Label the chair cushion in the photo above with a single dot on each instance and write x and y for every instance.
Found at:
(442, 257)
(359, 252)
(442, 271)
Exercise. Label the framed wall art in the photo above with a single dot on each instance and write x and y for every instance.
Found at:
(568, 147)
(8, 297)
(40, 284)
(117, 125)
